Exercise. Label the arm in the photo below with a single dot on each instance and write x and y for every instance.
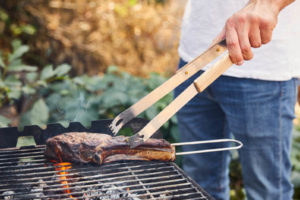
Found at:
(251, 26)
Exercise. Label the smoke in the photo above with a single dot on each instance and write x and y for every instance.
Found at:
(82, 106)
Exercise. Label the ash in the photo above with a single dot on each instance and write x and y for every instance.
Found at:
(8, 195)
(32, 192)
(108, 192)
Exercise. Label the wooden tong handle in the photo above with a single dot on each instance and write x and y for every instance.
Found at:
(211, 74)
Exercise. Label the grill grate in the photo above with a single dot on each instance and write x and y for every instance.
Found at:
(26, 174)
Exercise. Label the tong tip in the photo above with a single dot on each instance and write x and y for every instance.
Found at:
(115, 125)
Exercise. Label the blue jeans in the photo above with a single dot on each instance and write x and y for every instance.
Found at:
(258, 113)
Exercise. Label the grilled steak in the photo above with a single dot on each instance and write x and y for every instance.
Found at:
(102, 148)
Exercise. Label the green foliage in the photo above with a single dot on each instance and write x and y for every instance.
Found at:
(295, 158)
(55, 97)
(237, 191)
(19, 80)
(11, 66)
(38, 114)
(14, 27)
(4, 121)
(85, 98)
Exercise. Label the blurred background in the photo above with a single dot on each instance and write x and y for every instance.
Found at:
(83, 60)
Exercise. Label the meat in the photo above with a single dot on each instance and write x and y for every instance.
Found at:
(102, 148)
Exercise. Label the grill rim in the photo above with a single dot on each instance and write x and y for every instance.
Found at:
(133, 165)
(9, 137)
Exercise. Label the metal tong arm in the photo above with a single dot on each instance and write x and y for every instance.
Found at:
(239, 145)
(181, 75)
(200, 84)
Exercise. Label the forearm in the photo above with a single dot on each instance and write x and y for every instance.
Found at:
(283, 3)
(277, 5)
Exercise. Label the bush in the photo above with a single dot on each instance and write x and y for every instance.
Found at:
(21, 86)
(139, 36)
(52, 96)
(85, 98)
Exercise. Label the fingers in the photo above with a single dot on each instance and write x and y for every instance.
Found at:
(242, 32)
(246, 32)
(233, 45)
(265, 33)
(254, 36)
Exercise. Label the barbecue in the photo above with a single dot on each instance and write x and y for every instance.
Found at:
(25, 173)
(102, 148)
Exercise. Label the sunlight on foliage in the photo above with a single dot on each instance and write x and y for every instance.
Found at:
(139, 36)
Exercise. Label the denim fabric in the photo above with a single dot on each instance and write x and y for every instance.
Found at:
(257, 112)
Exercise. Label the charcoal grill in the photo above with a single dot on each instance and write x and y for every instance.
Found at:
(26, 174)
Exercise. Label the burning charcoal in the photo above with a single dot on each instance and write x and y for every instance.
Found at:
(8, 195)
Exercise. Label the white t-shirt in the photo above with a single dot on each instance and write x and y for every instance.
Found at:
(278, 60)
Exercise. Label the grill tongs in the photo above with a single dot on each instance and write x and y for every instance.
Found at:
(181, 75)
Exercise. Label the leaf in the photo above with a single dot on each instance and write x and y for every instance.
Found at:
(132, 2)
(25, 141)
(174, 120)
(31, 76)
(121, 10)
(18, 53)
(22, 67)
(2, 85)
(16, 44)
(28, 90)
(93, 84)
(39, 114)
(47, 72)
(64, 123)
(4, 122)
(62, 69)
(112, 69)
(113, 98)
(42, 83)
(12, 81)
(28, 29)
(14, 94)
(79, 80)
(151, 112)
(155, 80)
(15, 29)
(3, 15)
(296, 178)
(1, 60)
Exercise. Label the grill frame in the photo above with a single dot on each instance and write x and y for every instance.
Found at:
(8, 140)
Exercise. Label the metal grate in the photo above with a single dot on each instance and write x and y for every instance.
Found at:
(26, 174)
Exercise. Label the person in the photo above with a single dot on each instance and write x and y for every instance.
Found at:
(253, 103)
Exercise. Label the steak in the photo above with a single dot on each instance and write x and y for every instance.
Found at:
(97, 148)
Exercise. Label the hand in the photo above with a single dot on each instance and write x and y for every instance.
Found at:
(252, 26)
